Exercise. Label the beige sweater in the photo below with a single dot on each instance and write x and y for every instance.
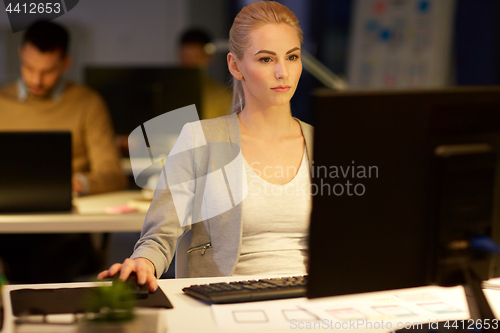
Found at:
(84, 113)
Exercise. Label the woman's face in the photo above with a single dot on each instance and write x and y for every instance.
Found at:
(271, 66)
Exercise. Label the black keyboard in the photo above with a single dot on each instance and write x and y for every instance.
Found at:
(248, 291)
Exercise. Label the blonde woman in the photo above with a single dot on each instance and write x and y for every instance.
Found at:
(266, 233)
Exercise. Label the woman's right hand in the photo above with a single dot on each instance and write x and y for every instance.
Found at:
(143, 268)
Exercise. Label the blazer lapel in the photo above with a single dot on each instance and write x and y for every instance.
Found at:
(225, 229)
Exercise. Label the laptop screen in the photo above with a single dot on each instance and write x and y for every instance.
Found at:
(35, 171)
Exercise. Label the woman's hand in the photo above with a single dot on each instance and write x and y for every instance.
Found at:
(143, 268)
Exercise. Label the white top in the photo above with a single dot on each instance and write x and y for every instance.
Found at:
(275, 223)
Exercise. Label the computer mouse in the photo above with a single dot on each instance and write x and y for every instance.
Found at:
(131, 281)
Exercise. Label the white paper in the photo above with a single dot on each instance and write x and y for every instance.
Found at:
(380, 312)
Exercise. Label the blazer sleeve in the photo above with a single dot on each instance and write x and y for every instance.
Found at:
(171, 209)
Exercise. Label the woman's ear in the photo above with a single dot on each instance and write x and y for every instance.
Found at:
(234, 68)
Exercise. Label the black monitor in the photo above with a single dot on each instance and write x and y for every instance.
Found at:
(404, 181)
(134, 95)
(35, 169)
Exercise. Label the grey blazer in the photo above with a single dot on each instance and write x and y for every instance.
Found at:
(216, 241)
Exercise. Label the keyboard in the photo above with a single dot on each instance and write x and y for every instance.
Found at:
(249, 291)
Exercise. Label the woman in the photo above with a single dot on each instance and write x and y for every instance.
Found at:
(267, 232)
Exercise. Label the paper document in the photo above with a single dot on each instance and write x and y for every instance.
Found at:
(377, 312)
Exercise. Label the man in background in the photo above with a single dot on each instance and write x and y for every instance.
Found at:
(196, 51)
(42, 100)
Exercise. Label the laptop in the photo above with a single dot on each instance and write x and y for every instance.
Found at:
(35, 172)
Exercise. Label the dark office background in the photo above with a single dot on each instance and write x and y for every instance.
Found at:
(145, 33)
(128, 32)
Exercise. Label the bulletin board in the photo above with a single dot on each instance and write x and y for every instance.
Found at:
(401, 44)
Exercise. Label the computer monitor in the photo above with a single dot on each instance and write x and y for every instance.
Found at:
(399, 177)
(134, 95)
(35, 169)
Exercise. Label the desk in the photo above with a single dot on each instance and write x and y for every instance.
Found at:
(88, 216)
(191, 315)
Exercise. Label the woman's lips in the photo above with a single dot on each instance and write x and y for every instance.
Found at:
(281, 88)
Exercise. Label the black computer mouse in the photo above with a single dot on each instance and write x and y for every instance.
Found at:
(131, 281)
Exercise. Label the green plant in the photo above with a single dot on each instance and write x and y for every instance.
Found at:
(111, 304)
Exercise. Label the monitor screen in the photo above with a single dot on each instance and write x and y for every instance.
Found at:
(36, 171)
(134, 95)
(386, 200)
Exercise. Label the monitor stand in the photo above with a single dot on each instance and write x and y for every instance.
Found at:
(480, 310)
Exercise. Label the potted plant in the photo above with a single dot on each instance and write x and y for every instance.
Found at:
(110, 310)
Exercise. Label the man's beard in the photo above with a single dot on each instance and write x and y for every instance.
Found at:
(43, 94)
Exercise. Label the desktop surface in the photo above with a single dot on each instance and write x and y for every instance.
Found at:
(88, 215)
(191, 315)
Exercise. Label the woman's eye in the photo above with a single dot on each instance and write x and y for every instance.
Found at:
(293, 57)
(265, 59)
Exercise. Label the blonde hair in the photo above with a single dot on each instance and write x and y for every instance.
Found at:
(250, 17)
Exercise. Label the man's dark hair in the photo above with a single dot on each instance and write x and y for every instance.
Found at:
(196, 35)
(47, 37)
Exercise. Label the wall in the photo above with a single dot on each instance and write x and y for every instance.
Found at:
(116, 32)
